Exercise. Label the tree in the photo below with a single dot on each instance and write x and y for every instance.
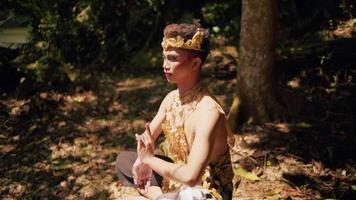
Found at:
(255, 99)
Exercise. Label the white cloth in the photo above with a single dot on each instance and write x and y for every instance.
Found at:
(186, 193)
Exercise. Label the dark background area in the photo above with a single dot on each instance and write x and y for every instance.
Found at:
(89, 75)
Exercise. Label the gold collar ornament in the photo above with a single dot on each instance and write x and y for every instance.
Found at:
(178, 42)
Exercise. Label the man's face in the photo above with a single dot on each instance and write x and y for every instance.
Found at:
(177, 64)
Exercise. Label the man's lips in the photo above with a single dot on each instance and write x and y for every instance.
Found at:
(167, 73)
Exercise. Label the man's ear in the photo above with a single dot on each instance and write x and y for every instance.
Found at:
(196, 63)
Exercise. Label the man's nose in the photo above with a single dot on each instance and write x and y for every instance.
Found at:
(165, 64)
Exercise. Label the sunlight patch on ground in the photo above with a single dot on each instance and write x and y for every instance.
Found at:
(132, 84)
(16, 190)
(87, 97)
(346, 29)
(118, 191)
(17, 107)
(6, 148)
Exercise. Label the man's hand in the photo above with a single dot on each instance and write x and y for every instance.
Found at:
(142, 172)
(142, 175)
(145, 147)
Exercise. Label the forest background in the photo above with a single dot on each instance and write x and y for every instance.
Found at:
(79, 78)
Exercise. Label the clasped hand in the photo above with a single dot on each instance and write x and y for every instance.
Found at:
(141, 171)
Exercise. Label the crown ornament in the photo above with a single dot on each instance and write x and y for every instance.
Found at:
(178, 42)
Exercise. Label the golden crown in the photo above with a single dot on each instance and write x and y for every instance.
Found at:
(178, 42)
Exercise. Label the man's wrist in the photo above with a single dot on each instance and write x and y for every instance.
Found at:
(147, 159)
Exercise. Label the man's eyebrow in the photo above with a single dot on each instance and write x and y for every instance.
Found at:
(170, 54)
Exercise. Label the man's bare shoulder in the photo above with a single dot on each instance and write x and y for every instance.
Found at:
(207, 116)
(208, 104)
(170, 95)
(208, 109)
(168, 98)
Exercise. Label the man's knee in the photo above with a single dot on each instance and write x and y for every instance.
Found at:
(124, 163)
(126, 158)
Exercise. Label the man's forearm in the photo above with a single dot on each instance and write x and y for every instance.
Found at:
(156, 130)
(179, 173)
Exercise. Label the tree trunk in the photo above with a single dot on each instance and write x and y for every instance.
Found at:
(255, 100)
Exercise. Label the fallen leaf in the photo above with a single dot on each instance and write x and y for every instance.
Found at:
(304, 125)
(246, 174)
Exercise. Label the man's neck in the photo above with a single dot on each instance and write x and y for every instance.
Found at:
(185, 87)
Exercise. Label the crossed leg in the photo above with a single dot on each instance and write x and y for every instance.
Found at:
(124, 163)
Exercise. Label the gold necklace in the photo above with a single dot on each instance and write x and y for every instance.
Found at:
(183, 106)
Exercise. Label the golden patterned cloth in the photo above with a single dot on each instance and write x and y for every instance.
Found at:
(217, 177)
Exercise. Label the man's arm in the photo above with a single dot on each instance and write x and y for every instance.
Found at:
(190, 173)
(156, 123)
(141, 171)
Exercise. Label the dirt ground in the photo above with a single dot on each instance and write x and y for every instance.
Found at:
(63, 145)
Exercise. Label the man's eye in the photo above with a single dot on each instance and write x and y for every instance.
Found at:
(172, 58)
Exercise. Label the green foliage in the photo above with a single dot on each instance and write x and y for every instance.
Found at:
(223, 17)
(70, 38)
(304, 18)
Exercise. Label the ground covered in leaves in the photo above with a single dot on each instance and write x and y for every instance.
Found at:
(63, 144)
